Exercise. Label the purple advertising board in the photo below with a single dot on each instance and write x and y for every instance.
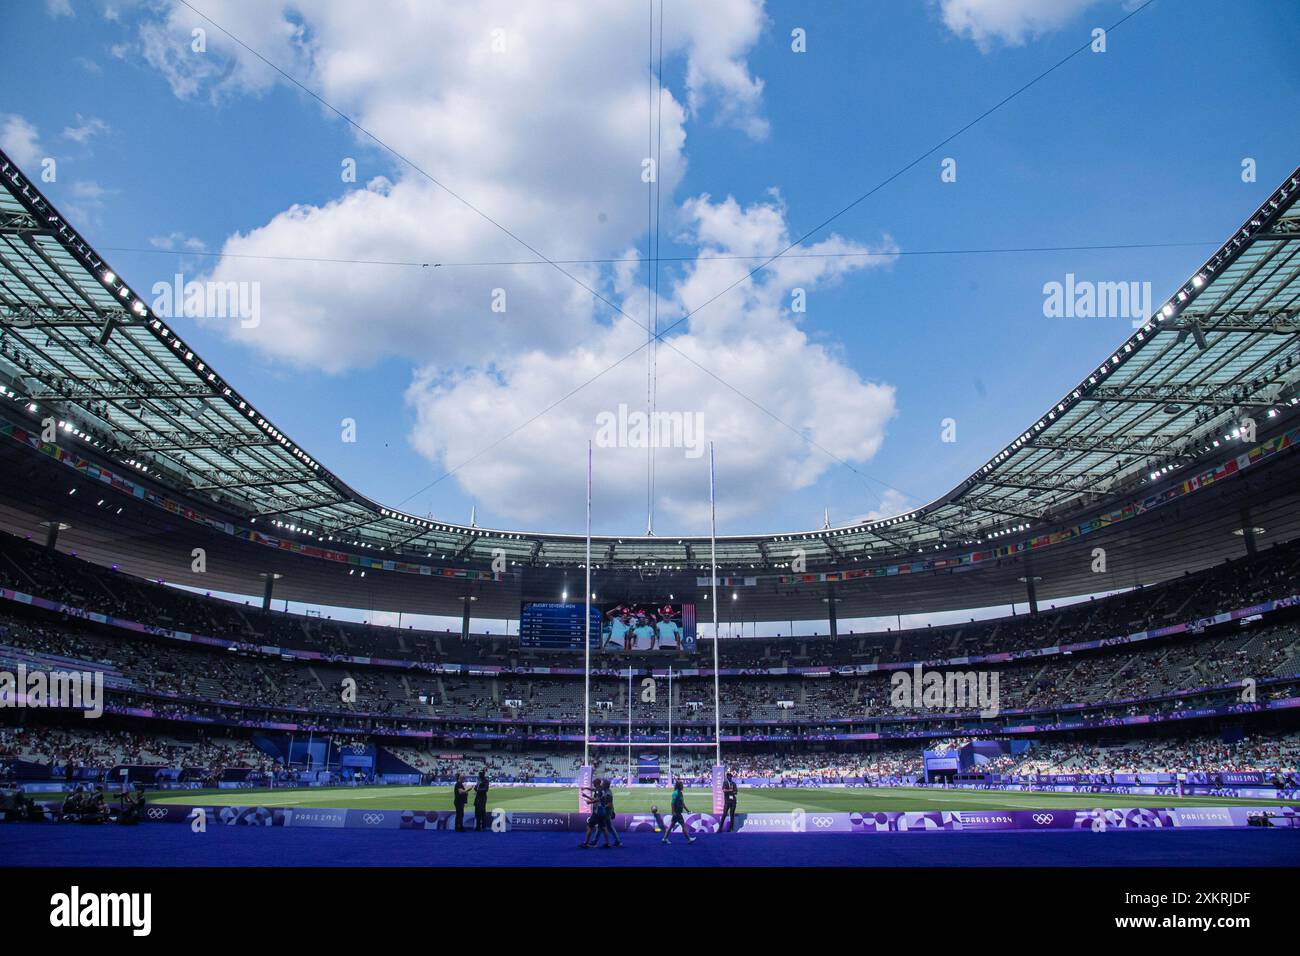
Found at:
(793, 821)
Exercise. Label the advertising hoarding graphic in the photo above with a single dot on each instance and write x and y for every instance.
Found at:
(584, 784)
(798, 821)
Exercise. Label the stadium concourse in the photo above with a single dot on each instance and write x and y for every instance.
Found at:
(1158, 725)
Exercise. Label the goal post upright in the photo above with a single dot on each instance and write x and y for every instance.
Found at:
(713, 554)
(584, 773)
(717, 689)
(670, 722)
(629, 723)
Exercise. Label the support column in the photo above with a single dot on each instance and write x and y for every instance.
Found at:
(52, 529)
(1032, 592)
(1248, 530)
(268, 588)
(464, 618)
(831, 600)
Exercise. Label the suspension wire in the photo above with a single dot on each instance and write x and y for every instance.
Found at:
(654, 318)
(618, 260)
(649, 247)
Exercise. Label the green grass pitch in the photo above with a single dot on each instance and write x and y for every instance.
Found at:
(780, 800)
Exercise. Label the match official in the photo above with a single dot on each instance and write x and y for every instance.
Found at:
(459, 796)
(729, 791)
(480, 801)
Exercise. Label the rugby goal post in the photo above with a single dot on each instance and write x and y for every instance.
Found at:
(718, 772)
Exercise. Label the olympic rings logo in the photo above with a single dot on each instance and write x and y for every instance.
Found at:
(1043, 819)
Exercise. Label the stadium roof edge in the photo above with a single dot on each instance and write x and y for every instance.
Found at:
(150, 402)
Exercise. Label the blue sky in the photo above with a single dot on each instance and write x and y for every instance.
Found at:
(160, 150)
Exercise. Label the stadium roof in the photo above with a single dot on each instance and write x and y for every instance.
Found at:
(78, 340)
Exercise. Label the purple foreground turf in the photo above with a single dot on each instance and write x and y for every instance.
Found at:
(175, 845)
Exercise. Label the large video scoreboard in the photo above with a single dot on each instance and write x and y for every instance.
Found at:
(556, 626)
(627, 626)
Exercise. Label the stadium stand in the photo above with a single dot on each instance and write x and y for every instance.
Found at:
(775, 694)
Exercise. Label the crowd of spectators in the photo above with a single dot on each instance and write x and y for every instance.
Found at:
(95, 749)
(1255, 753)
(26, 566)
(63, 749)
(177, 675)
(243, 687)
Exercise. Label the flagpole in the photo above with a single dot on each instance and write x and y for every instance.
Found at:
(713, 549)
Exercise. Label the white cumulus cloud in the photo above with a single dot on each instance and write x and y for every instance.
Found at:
(20, 140)
(86, 128)
(749, 337)
(1013, 22)
(538, 115)
(892, 503)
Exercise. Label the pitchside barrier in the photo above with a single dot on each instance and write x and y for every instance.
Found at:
(794, 821)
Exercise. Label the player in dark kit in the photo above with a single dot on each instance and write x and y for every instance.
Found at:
(593, 805)
(729, 790)
(131, 805)
(607, 799)
(597, 821)
(679, 814)
(459, 796)
(480, 801)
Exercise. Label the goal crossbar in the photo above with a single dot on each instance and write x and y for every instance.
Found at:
(657, 743)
